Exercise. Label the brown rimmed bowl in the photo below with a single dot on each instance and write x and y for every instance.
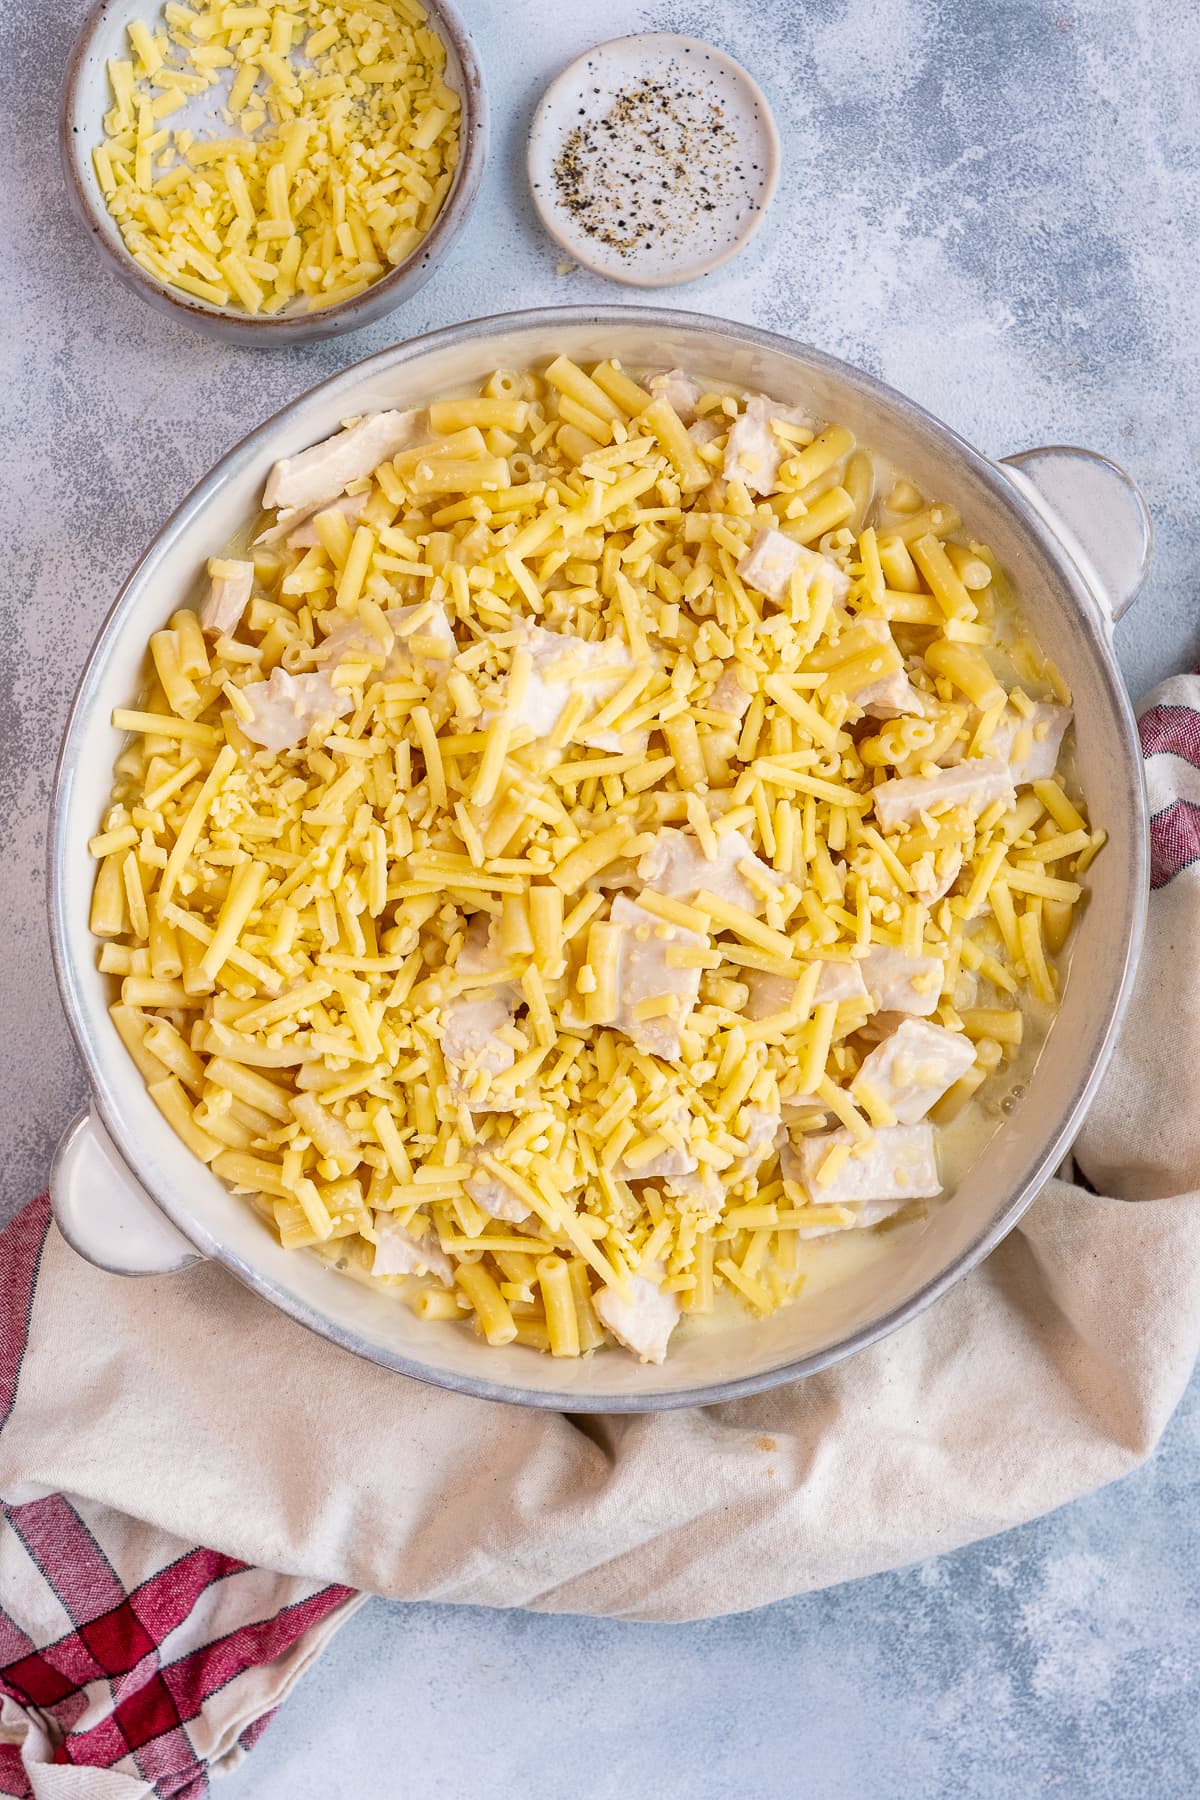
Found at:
(87, 97)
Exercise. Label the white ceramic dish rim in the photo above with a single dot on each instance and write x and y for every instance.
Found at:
(549, 214)
(1050, 1144)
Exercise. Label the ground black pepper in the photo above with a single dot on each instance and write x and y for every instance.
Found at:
(653, 166)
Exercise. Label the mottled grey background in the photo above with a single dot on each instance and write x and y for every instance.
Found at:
(993, 206)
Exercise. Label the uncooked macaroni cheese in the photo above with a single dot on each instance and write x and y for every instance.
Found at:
(585, 848)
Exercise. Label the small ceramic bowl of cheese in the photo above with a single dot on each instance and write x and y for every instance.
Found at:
(273, 175)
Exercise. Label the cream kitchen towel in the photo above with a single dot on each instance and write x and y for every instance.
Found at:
(193, 1406)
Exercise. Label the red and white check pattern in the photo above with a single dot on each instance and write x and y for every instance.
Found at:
(1170, 732)
(121, 1648)
(126, 1650)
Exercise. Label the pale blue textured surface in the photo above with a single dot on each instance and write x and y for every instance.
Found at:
(994, 207)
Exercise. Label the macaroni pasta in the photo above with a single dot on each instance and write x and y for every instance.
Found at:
(587, 849)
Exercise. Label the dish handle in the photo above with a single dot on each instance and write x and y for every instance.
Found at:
(106, 1216)
(1097, 513)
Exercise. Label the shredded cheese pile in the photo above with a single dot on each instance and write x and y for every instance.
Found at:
(574, 858)
(342, 145)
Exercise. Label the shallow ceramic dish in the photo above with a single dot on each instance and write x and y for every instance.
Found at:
(703, 114)
(87, 97)
(1072, 531)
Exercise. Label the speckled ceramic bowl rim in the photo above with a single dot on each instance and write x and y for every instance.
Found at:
(547, 213)
(291, 328)
(1049, 1144)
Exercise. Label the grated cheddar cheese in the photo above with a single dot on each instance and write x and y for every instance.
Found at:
(554, 879)
(336, 143)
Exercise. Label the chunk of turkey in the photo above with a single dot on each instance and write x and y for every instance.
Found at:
(644, 973)
(228, 593)
(759, 1129)
(288, 706)
(561, 665)
(468, 1034)
(471, 1023)
(973, 785)
(840, 981)
(768, 995)
(936, 873)
(678, 390)
(753, 453)
(708, 429)
(900, 983)
(351, 637)
(912, 1068)
(305, 535)
(291, 521)
(772, 994)
(729, 696)
(700, 1191)
(892, 697)
(676, 865)
(671, 1162)
(323, 471)
(773, 558)
(795, 1107)
(398, 1252)
(789, 1169)
(1031, 745)
(480, 954)
(895, 1165)
(644, 1322)
(495, 1199)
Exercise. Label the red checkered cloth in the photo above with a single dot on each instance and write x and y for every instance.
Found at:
(1170, 731)
(121, 1648)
